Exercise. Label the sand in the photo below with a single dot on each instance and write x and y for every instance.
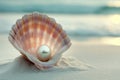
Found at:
(85, 60)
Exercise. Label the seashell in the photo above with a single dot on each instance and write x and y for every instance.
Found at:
(40, 39)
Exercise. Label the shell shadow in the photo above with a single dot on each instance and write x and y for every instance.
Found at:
(22, 65)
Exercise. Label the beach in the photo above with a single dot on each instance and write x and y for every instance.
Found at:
(103, 60)
(94, 30)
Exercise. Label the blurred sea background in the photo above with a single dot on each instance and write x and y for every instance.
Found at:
(80, 18)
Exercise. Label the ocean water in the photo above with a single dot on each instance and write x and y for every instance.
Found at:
(62, 6)
(63, 9)
(88, 18)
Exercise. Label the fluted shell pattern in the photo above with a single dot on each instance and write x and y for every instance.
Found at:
(35, 35)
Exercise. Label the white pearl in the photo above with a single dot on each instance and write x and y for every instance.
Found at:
(44, 51)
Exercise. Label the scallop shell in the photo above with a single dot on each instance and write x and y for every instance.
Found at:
(40, 39)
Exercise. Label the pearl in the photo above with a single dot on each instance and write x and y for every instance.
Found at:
(44, 51)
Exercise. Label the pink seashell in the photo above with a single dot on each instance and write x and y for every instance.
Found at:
(40, 39)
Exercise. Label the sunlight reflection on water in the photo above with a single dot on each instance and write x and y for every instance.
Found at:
(113, 23)
(111, 41)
